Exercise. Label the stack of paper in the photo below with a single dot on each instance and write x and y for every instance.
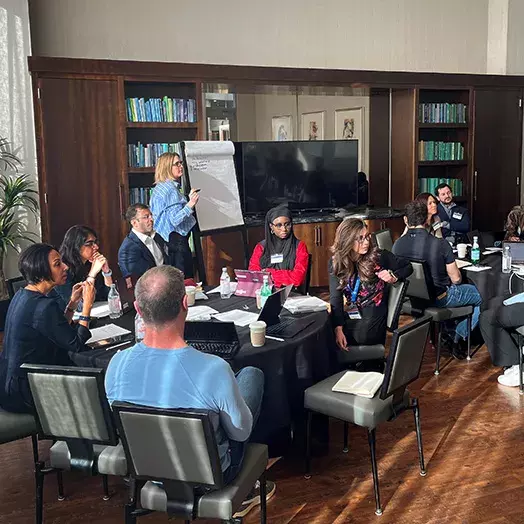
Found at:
(238, 316)
(105, 332)
(304, 304)
(200, 313)
(360, 384)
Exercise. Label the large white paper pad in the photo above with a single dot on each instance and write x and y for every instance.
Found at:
(104, 332)
(239, 317)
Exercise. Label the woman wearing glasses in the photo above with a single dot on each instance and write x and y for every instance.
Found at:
(359, 273)
(281, 253)
(173, 212)
(79, 251)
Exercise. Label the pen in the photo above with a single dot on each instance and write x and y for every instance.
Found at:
(275, 338)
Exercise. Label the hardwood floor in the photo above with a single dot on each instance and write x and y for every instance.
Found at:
(472, 431)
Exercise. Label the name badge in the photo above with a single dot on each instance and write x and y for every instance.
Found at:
(354, 313)
(457, 215)
(277, 259)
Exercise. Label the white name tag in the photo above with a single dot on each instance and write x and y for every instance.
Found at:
(277, 259)
(456, 215)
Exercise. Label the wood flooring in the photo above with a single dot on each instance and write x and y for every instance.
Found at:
(473, 442)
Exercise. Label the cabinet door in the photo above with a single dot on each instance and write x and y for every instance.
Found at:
(79, 160)
(497, 167)
(327, 232)
(309, 234)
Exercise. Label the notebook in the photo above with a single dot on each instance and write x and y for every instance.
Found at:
(360, 384)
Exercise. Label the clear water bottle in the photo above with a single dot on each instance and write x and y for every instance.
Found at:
(140, 328)
(265, 291)
(506, 260)
(113, 300)
(225, 284)
(475, 251)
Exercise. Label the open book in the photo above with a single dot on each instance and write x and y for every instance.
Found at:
(361, 384)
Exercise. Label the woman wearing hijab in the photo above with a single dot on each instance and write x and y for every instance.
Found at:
(281, 253)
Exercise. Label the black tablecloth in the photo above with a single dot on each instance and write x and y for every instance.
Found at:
(289, 367)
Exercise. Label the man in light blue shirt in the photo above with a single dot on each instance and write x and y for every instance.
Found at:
(163, 371)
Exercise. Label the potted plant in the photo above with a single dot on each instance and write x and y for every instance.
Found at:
(17, 196)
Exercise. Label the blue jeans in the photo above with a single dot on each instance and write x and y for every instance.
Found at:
(462, 295)
(251, 385)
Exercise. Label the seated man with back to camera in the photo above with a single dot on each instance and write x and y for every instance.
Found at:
(142, 248)
(163, 371)
(455, 219)
(418, 244)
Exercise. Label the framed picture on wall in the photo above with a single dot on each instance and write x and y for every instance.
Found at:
(282, 128)
(313, 126)
(349, 125)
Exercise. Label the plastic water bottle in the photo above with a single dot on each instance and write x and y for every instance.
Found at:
(475, 251)
(265, 291)
(113, 300)
(225, 284)
(506, 260)
(140, 328)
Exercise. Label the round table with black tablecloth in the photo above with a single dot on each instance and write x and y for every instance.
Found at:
(289, 367)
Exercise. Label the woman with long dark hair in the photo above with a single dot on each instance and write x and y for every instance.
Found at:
(359, 273)
(281, 253)
(433, 224)
(80, 252)
(515, 225)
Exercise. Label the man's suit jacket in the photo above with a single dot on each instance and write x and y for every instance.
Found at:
(135, 259)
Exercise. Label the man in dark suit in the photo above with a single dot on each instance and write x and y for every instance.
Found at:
(142, 249)
(455, 219)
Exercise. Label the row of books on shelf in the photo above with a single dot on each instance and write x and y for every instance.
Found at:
(428, 185)
(140, 195)
(442, 113)
(440, 151)
(161, 110)
(146, 155)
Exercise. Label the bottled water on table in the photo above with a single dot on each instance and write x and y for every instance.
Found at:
(265, 291)
(506, 260)
(113, 301)
(225, 284)
(475, 251)
(140, 328)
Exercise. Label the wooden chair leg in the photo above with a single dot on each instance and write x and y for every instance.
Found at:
(307, 472)
(416, 413)
(374, 468)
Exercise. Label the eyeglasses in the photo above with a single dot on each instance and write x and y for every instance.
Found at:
(91, 243)
(363, 238)
(178, 164)
(285, 225)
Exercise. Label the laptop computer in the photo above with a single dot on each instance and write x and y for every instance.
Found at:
(517, 251)
(286, 327)
(249, 281)
(126, 290)
(217, 338)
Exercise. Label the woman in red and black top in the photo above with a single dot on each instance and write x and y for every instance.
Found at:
(281, 253)
(359, 272)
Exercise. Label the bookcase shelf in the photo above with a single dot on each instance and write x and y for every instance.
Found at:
(163, 125)
(442, 126)
(443, 163)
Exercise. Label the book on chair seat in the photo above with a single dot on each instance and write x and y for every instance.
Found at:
(360, 384)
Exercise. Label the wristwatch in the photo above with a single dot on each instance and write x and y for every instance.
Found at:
(84, 318)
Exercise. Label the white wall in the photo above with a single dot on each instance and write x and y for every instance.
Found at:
(16, 106)
(401, 35)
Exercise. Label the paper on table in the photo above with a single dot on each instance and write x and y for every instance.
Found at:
(103, 332)
(462, 263)
(494, 249)
(491, 251)
(239, 317)
(217, 289)
(200, 313)
(100, 310)
(477, 269)
(304, 304)
(200, 295)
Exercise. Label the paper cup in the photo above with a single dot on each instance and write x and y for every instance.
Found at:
(257, 330)
(191, 293)
(462, 249)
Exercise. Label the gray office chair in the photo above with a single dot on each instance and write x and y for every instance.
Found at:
(520, 341)
(421, 294)
(403, 367)
(383, 239)
(397, 293)
(71, 408)
(177, 448)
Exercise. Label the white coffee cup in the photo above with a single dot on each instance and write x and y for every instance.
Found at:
(191, 293)
(257, 330)
(462, 250)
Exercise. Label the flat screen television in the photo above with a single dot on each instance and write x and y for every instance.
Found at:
(305, 175)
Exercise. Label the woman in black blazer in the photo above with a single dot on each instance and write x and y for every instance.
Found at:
(37, 329)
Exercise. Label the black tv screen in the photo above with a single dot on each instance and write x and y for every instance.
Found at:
(302, 174)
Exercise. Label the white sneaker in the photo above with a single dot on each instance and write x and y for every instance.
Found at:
(511, 370)
(511, 380)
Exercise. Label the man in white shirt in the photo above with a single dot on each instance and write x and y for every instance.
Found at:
(142, 249)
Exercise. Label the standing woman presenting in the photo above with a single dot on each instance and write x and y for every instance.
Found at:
(172, 212)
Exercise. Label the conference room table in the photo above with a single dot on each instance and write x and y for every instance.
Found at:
(289, 367)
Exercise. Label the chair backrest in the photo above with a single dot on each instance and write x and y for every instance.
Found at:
(169, 444)
(420, 282)
(14, 284)
(397, 293)
(405, 357)
(304, 287)
(71, 404)
(383, 239)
